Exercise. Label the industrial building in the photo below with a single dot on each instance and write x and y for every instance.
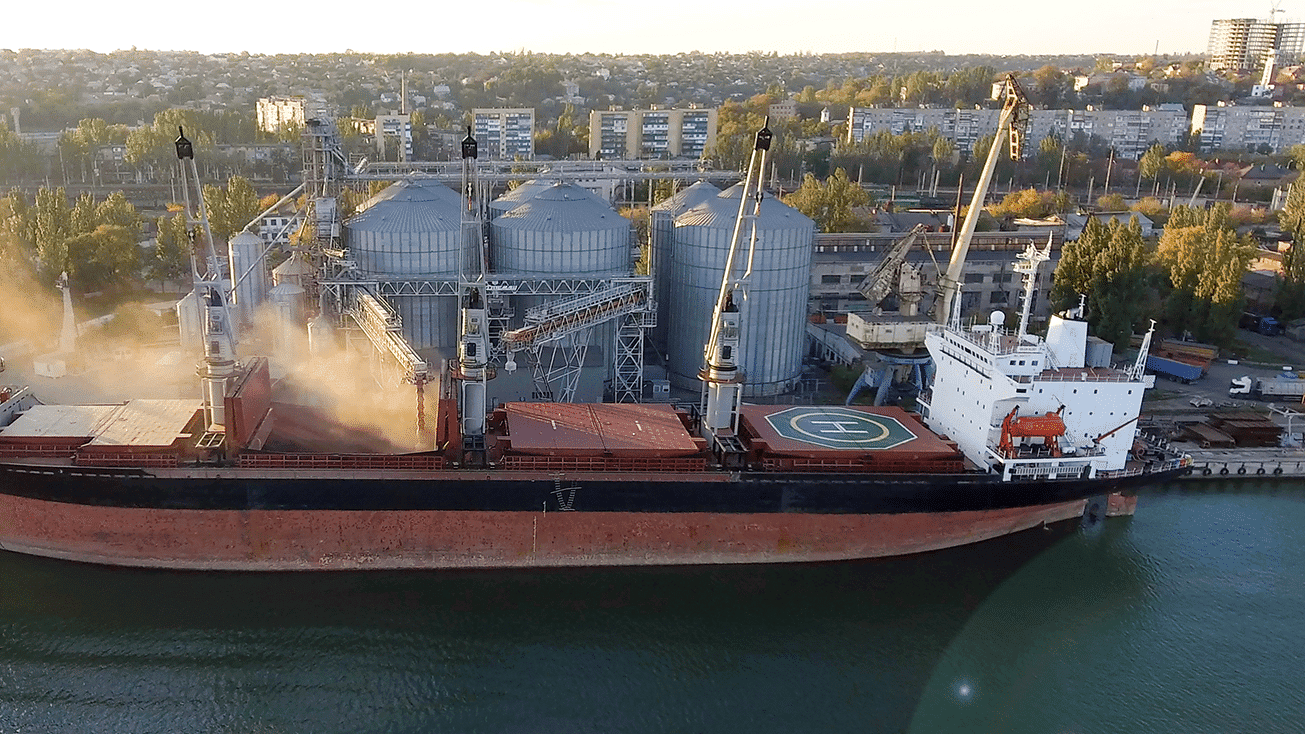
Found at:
(652, 133)
(505, 133)
(840, 262)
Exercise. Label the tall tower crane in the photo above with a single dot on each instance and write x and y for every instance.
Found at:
(1011, 127)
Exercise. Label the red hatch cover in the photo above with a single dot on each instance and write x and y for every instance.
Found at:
(578, 429)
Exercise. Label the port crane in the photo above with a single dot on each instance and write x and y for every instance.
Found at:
(892, 274)
(887, 275)
(1012, 127)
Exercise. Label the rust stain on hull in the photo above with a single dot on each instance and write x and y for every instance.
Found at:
(299, 540)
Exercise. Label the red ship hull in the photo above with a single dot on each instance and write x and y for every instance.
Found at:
(301, 540)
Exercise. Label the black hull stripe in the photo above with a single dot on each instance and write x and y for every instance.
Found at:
(803, 493)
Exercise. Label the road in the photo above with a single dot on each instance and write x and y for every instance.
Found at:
(1173, 399)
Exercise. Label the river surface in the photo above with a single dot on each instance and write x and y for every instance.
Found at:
(1189, 617)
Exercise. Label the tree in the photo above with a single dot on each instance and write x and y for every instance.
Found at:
(1206, 261)
(1108, 264)
(116, 210)
(831, 204)
(1152, 162)
(172, 250)
(48, 228)
(1074, 273)
(1119, 283)
(1025, 203)
(1111, 203)
(230, 209)
(1291, 289)
(106, 258)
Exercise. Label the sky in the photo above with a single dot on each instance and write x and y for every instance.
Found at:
(1123, 27)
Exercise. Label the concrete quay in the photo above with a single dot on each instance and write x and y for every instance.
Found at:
(1246, 463)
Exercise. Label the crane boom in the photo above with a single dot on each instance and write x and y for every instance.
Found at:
(880, 281)
(1010, 127)
(722, 379)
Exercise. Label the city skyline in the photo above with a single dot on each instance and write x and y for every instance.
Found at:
(954, 27)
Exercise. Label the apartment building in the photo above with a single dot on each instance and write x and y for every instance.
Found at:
(394, 126)
(652, 133)
(1129, 132)
(963, 127)
(1247, 44)
(505, 133)
(274, 113)
(1257, 129)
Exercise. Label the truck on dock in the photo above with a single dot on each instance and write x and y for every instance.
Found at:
(1174, 369)
(1267, 388)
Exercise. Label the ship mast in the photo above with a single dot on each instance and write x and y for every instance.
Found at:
(721, 377)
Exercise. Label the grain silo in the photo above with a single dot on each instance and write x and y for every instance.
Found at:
(516, 196)
(775, 307)
(412, 231)
(249, 273)
(561, 230)
(661, 232)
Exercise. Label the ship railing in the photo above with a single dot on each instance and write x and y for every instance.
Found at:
(1040, 452)
(654, 464)
(949, 465)
(127, 459)
(1078, 377)
(44, 451)
(410, 462)
(1164, 466)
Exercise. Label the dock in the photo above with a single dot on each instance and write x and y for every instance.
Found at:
(1245, 463)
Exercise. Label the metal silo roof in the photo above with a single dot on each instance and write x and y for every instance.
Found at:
(563, 208)
(687, 198)
(514, 197)
(410, 206)
(723, 209)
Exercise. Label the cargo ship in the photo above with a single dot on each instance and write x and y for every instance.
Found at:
(1015, 431)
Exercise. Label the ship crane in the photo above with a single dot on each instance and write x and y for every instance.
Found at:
(472, 370)
(1011, 127)
(722, 378)
(219, 366)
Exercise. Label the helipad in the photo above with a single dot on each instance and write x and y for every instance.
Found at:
(840, 428)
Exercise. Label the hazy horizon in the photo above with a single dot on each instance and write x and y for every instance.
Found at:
(953, 27)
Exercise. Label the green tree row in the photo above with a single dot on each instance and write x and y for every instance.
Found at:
(1195, 271)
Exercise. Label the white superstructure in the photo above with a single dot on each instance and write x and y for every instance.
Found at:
(1026, 406)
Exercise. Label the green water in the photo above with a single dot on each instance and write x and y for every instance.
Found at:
(1186, 618)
